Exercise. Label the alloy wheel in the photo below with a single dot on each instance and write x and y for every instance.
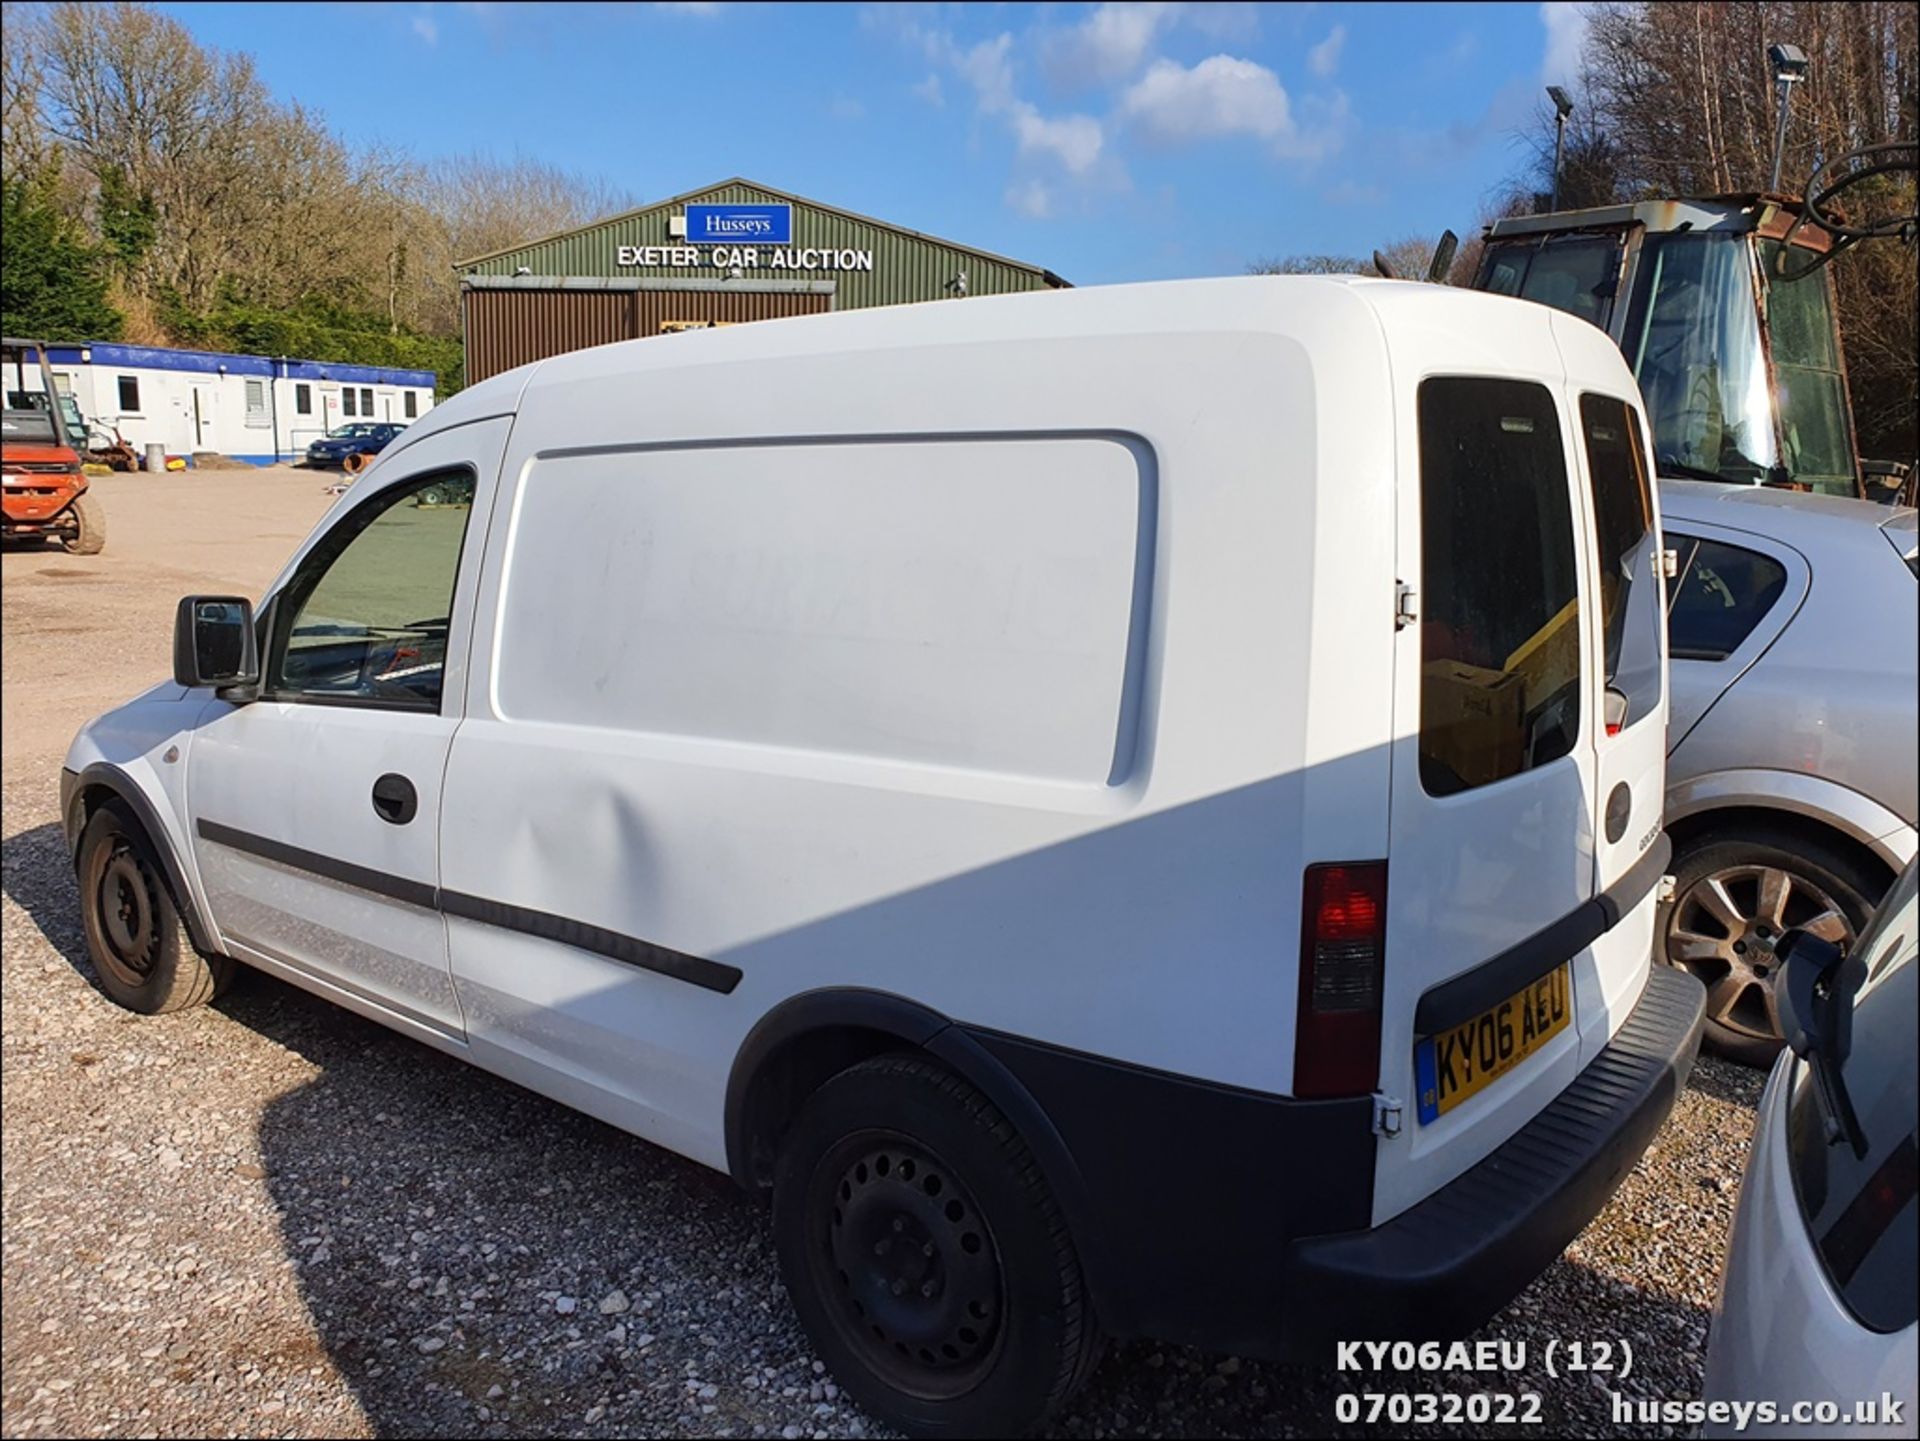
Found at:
(1724, 928)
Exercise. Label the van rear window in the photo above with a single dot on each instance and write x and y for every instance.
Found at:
(1623, 523)
(1500, 605)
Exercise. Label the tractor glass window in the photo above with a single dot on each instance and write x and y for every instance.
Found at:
(1500, 607)
(364, 621)
(1630, 601)
(1722, 593)
(1578, 275)
(1806, 368)
(130, 394)
(1693, 338)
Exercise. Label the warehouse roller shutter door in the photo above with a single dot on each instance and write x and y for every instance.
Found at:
(506, 328)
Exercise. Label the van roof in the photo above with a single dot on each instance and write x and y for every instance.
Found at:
(1299, 305)
(1277, 304)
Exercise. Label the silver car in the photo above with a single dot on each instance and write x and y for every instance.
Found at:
(1791, 772)
(1815, 1330)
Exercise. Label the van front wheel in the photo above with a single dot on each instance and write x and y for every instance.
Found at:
(925, 1255)
(140, 949)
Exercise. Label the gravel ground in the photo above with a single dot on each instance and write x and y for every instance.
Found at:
(271, 1217)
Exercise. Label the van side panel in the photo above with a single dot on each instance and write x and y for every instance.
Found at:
(957, 602)
(1137, 898)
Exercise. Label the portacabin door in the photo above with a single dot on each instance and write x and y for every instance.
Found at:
(315, 809)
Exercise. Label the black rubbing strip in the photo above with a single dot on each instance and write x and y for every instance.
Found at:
(712, 975)
(629, 950)
(1479, 990)
(365, 878)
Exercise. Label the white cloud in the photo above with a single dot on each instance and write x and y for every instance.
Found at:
(1031, 198)
(1566, 38)
(427, 29)
(1324, 58)
(989, 70)
(931, 91)
(1108, 45)
(1073, 140)
(1222, 95)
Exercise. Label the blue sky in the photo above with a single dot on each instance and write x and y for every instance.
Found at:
(1108, 142)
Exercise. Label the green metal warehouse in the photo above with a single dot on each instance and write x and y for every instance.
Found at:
(719, 255)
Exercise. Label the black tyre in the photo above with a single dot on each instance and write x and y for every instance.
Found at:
(928, 1261)
(141, 952)
(1734, 893)
(89, 531)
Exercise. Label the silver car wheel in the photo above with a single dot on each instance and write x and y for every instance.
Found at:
(1724, 927)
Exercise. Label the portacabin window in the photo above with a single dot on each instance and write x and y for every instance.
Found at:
(1722, 593)
(1500, 606)
(346, 400)
(303, 399)
(130, 394)
(412, 405)
(256, 403)
(366, 400)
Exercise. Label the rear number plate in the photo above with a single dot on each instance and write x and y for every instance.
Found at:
(1458, 1064)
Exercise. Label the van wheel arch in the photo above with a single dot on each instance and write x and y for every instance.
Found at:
(808, 1039)
(100, 783)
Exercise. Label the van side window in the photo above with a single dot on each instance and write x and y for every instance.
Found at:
(364, 620)
(1623, 523)
(1723, 592)
(1500, 603)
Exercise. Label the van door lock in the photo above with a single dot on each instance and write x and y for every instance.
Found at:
(1386, 1115)
(1406, 608)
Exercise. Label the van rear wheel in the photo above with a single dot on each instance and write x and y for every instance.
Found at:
(926, 1257)
(1734, 893)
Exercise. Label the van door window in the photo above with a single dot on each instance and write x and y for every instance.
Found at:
(1629, 587)
(1723, 592)
(1500, 606)
(364, 620)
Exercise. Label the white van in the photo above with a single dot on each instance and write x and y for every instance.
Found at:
(1130, 811)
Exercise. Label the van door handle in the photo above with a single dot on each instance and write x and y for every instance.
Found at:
(394, 799)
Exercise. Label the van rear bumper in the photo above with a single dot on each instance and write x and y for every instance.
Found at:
(1443, 1267)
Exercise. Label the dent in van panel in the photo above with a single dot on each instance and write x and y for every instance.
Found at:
(969, 602)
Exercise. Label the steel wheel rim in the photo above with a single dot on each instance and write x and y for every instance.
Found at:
(124, 904)
(1724, 927)
(907, 1265)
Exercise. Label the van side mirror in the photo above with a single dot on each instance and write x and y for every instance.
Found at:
(213, 642)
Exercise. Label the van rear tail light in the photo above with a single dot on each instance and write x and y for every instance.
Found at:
(1343, 940)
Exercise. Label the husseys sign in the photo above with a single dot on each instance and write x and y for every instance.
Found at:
(742, 237)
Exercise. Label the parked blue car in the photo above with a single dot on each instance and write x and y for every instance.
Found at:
(361, 438)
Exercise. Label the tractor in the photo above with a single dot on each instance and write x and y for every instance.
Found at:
(1724, 308)
(45, 489)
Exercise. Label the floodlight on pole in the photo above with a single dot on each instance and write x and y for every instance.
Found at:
(1790, 66)
(1562, 108)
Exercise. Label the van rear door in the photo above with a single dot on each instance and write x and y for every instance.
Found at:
(1615, 456)
(1495, 704)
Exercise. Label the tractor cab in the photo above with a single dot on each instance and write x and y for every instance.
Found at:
(1723, 307)
(45, 493)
